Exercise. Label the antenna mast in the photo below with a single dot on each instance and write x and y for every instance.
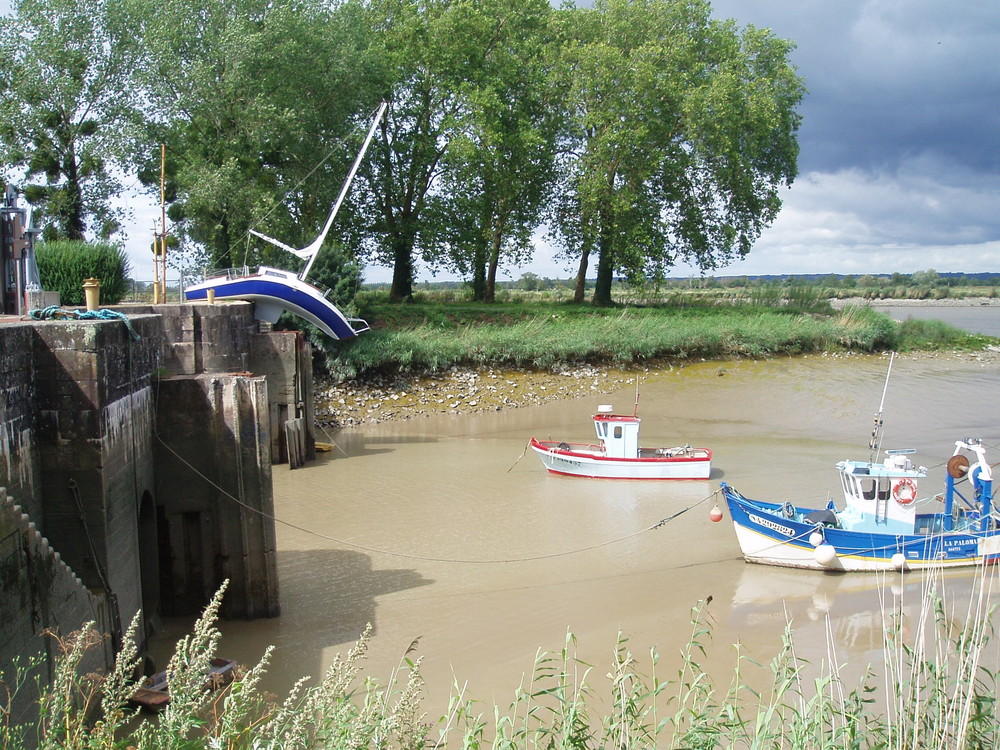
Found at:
(876, 441)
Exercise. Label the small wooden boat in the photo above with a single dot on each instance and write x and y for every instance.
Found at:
(617, 454)
(153, 694)
(884, 524)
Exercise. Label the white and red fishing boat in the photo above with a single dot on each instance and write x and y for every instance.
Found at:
(617, 454)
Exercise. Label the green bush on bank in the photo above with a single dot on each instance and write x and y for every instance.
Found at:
(936, 692)
(63, 265)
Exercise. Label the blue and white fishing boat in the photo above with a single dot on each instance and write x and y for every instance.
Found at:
(885, 524)
(273, 290)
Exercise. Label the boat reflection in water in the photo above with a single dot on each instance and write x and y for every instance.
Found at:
(852, 620)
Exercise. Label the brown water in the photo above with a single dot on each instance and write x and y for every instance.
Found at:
(444, 530)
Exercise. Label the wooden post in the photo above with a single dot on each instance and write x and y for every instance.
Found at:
(156, 268)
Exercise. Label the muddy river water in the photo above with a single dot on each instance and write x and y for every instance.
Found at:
(444, 529)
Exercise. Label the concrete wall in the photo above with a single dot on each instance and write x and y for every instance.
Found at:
(217, 507)
(41, 598)
(94, 421)
(141, 467)
(19, 465)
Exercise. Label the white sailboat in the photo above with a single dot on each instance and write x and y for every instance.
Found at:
(273, 289)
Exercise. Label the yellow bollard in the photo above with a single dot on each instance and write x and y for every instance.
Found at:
(92, 293)
(211, 296)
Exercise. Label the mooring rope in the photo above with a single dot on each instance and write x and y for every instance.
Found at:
(54, 312)
(366, 548)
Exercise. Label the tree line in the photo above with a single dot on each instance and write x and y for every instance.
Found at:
(636, 133)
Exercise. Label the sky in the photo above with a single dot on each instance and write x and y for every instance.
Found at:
(899, 163)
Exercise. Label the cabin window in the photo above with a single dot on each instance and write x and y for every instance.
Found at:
(868, 489)
(883, 489)
(618, 431)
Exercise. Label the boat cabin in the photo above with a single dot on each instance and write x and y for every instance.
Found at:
(618, 435)
(881, 496)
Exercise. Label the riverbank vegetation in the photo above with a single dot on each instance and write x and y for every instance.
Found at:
(429, 336)
(934, 689)
(636, 134)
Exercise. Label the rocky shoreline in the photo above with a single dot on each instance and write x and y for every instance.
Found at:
(458, 391)
(461, 390)
(468, 390)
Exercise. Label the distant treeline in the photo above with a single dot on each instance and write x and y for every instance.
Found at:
(927, 280)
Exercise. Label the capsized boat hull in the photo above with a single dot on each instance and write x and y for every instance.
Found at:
(767, 535)
(153, 693)
(580, 460)
(273, 290)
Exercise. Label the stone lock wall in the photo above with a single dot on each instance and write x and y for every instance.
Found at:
(135, 470)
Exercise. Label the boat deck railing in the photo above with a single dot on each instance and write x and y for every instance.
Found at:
(244, 271)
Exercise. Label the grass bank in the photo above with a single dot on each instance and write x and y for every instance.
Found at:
(433, 336)
(934, 689)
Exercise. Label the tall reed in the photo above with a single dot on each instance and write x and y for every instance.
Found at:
(936, 689)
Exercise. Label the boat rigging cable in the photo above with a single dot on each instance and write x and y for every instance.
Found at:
(658, 524)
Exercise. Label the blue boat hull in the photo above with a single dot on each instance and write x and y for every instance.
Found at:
(271, 293)
(768, 535)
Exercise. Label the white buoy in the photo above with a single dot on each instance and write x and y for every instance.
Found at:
(825, 555)
(815, 539)
(899, 561)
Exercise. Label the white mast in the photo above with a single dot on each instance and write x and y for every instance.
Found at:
(309, 251)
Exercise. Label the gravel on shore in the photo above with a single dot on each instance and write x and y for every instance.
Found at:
(458, 390)
(461, 390)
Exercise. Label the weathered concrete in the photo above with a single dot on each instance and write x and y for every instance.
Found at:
(216, 504)
(145, 461)
(286, 362)
(42, 598)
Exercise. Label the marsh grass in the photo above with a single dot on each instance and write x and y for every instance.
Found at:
(935, 689)
(543, 336)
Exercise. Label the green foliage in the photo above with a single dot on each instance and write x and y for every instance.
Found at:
(435, 336)
(937, 693)
(65, 116)
(64, 265)
(681, 131)
(934, 335)
(245, 149)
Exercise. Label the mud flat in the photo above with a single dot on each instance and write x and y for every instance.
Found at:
(467, 390)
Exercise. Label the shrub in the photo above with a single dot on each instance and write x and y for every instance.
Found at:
(63, 265)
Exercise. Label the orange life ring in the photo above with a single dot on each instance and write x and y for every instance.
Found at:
(905, 491)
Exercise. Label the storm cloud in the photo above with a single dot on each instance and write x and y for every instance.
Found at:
(899, 168)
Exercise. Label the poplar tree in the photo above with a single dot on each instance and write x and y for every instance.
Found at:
(682, 129)
(64, 122)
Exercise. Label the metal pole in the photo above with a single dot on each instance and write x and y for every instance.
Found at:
(163, 218)
(347, 184)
